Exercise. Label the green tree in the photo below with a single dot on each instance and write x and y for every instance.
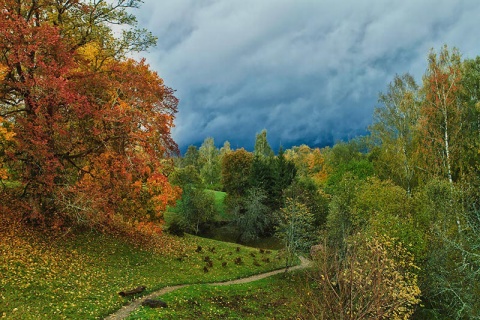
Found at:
(274, 175)
(306, 191)
(339, 220)
(262, 148)
(345, 152)
(381, 207)
(192, 158)
(196, 208)
(395, 123)
(347, 158)
(236, 168)
(251, 215)
(285, 173)
(451, 270)
(185, 176)
(262, 174)
(225, 149)
(295, 228)
(210, 163)
(470, 99)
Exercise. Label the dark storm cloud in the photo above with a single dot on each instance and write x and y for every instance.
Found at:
(307, 71)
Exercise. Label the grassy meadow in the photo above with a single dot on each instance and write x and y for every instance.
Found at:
(275, 297)
(79, 276)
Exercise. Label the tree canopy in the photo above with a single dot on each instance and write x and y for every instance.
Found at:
(90, 128)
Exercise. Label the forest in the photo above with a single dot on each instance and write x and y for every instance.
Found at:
(391, 220)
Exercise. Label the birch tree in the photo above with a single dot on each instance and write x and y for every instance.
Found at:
(440, 122)
(394, 126)
(210, 163)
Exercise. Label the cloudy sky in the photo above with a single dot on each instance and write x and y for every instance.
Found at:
(308, 71)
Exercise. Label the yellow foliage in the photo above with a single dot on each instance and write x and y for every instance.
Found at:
(90, 51)
(5, 135)
(309, 162)
(3, 173)
(375, 279)
(95, 55)
(3, 71)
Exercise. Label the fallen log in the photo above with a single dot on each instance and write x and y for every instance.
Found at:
(132, 292)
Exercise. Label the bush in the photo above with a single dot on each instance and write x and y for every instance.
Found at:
(373, 279)
(196, 209)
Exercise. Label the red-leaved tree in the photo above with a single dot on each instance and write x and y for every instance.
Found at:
(92, 128)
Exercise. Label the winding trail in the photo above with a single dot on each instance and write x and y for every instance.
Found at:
(127, 309)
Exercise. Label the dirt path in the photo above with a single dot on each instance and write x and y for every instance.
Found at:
(126, 310)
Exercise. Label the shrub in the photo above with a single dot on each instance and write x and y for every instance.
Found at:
(373, 279)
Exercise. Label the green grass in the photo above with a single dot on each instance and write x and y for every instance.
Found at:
(80, 277)
(270, 298)
(220, 205)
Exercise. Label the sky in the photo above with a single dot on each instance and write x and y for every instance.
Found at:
(307, 71)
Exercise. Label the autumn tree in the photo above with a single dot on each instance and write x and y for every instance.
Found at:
(92, 128)
(374, 279)
(236, 169)
(6, 139)
(440, 119)
(309, 163)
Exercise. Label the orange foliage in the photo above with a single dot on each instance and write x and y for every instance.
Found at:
(6, 136)
(440, 121)
(309, 162)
